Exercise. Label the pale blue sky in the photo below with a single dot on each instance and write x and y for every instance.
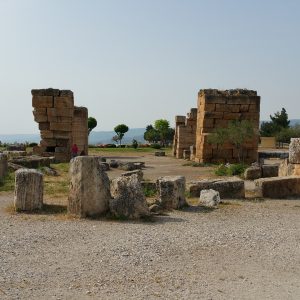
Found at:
(135, 61)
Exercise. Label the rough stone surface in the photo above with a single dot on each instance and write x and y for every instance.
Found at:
(32, 162)
(128, 198)
(288, 169)
(229, 188)
(114, 164)
(3, 165)
(252, 173)
(159, 153)
(154, 208)
(105, 166)
(278, 187)
(28, 190)
(294, 151)
(89, 187)
(60, 122)
(270, 171)
(139, 174)
(16, 147)
(209, 198)
(171, 190)
(14, 153)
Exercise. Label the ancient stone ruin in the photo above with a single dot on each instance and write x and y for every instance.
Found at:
(216, 109)
(185, 133)
(60, 122)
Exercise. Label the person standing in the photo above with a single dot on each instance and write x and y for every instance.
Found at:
(74, 150)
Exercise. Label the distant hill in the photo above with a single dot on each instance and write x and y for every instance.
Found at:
(96, 137)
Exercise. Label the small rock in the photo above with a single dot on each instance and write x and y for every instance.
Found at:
(209, 198)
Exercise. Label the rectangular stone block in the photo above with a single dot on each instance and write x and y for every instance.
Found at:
(278, 187)
(233, 108)
(44, 126)
(244, 108)
(229, 188)
(232, 116)
(294, 151)
(63, 102)
(60, 119)
(214, 99)
(213, 115)
(39, 117)
(61, 134)
(48, 142)
(42, 101)
(60, 112)
(46, 134)
(61, 126)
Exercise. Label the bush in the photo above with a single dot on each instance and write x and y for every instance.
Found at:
(231, 170)
(156, 146)
(32, 144)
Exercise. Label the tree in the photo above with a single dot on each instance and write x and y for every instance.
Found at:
(285, 135)
(92, 123)
(269, 129)
(281, 119)
(162, 126)
(134, 144)
(115, 139)
(151, 135)
(237, 133)
(120, 130)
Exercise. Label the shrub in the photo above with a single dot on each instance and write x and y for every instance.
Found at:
(32, 144)
(230, 170)
(156, 146)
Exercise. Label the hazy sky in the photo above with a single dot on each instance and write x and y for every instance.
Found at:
(135, 61)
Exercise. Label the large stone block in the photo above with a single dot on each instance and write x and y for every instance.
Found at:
(294, 151)
(270, 171)
(63, 102)
(40, 117)
(209, 198)
(42, 101)
(3, 166)
(28, 190)
(60, 112)
(61, 126)
(229, 188)
(171, 191)
(89, 187)
(278, 187)
(253, 173)
(128, 198)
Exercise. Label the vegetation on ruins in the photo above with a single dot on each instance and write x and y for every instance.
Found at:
(161, 132)
(230, 169)
(237, 133)
(120, 130)
(92, 123)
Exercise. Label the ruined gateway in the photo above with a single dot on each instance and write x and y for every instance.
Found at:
(61, 124)
(215, 109)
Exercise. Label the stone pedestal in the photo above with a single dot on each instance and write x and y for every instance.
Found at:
(171, 191)
(294, 151)
(29, 189)
(89, 187)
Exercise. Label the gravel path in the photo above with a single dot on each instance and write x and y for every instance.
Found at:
(242, 250)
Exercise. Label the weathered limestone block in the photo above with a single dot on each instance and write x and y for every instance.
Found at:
(61, 126)
(288, 169)
(129, 200)
(14, 154)
(171, 191)
(32, 162)
(229, 188)
(252, 173)
(139, 174)
(104, 166)
(29, 189)
(294, 151)
(270, 171)
(186, 154)
(3, 165)
(60, 112)
(89, 187)
(61, 102)
(42, 101)
(209, 198)
(159, 153)
(278, 187)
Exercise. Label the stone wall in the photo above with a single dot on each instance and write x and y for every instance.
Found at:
(215, 110)
(61, 124)
(185, 133)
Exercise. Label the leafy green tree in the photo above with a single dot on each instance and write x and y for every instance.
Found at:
(92, 123)
(134, 144)
(285, 135)
(268, 129)
(281, 119)
(162, 126)
(120, 130)
(152, 135)
(237, 133)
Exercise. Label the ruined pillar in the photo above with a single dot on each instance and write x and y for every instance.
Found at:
(61, 124)
(28, 190)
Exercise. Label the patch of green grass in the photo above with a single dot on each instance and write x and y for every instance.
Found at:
(231, 170)
(148, 192)
(8, 183)
(62, 167)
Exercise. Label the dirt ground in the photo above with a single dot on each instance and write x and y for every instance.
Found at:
(241, 250)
